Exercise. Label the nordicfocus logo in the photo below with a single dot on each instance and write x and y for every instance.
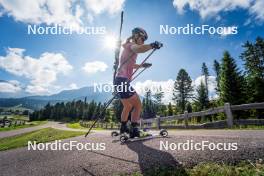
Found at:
(190, 29)
(191, 145)
(71, 145)
(58, 29)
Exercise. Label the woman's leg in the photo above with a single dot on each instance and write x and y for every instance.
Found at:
(136, 104)
(135, 116)
(126, 109)
(124, 116)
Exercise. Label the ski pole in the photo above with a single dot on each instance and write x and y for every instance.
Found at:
(143, 63)
(117, 51)
(101, 114)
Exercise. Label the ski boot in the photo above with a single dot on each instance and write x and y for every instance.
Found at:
(134, 132)
(124, 128)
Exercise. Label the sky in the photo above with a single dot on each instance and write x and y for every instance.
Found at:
(44, 64)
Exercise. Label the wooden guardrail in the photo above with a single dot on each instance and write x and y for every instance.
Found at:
(227, 109)
(9, 123)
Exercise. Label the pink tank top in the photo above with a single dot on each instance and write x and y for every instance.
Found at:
(126, 62)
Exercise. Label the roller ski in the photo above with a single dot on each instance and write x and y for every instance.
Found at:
(143, 136)
(134, 134)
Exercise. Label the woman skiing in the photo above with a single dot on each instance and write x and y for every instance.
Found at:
(129, 97)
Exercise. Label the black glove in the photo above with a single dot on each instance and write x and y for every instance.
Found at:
(156, 45)
(146, 65)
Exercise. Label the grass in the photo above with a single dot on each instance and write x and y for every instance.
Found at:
(248, 127)
(40, 136)
(242, 169)
(209, 169)
(76, 125)
(15, 117)
(28, 124)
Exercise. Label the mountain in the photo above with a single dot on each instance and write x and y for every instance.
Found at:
(37, 102)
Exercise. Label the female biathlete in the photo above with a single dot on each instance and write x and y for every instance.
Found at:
(127, 64)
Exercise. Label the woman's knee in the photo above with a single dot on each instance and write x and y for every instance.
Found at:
(138, 106)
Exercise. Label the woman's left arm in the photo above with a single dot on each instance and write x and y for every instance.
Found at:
(136, 66)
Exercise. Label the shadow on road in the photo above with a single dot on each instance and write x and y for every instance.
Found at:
(150, 159)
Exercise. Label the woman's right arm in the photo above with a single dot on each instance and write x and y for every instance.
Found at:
(141, 48)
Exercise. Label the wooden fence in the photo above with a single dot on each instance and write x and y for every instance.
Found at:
(9, 123)
(227, 109)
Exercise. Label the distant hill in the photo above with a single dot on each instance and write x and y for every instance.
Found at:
(37, 102)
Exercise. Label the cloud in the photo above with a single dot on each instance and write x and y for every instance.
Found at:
(168, 85)
(43, 11)
(212, 8)
(73, 86)
(64, 12)
(94, 67)
(42, 72)
(11, 86)
(110, 6)
(258, 10)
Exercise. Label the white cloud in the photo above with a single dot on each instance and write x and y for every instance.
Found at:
(110, 6)
(36, 89)
(258, 10)
(212, 8)
(94, 67)
(73, 86)
(43, 11)
(168, 85)
(11, 86)
(42, 72)
(64, 12)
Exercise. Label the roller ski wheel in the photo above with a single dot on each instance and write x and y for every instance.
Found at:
(114, 134)
(123, 138)
(164, 133)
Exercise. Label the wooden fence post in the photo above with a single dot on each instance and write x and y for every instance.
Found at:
(158, 122)
(186, 119)
(229, 115)
(141, 124)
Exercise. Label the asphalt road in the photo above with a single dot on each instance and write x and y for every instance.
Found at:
(57, 125)
(131, 157)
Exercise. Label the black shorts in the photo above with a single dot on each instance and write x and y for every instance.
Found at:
(123, 88)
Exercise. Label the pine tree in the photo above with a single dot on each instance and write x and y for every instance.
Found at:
(217, 73)
(158, 96)
(206, 75)
(108, 116)
(170, 110)
(231, 81)
(149, 106)
(201, 97)
(117, 108)
(253, 57)
(189, 107)
(183, 89)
